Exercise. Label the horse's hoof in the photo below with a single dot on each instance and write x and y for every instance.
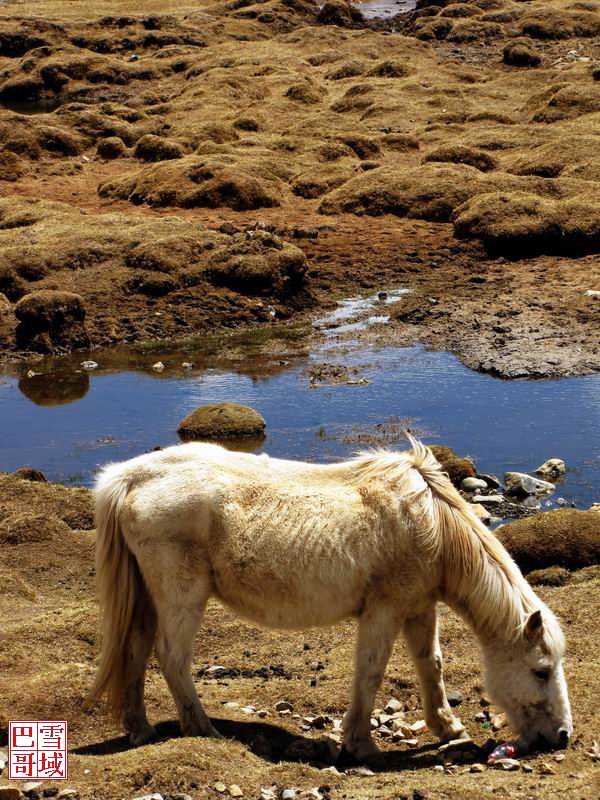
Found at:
(143, 735)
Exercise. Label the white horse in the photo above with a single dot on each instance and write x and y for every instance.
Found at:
(286, 544)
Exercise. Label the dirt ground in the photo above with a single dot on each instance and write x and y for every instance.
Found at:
(49, 646)
(452, 151)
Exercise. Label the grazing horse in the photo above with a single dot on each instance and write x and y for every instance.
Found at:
(382, 538)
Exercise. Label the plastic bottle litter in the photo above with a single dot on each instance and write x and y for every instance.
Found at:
(506, 750)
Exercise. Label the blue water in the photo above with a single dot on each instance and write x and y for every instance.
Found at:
(502, 425)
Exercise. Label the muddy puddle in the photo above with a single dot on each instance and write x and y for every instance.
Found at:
(320, 404)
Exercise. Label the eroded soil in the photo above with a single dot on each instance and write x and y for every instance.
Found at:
(452, 151)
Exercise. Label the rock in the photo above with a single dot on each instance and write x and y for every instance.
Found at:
(283, 705)
(477, 768)
(31, 786)
(187, 365)
(220, 787)
(521, 485)
(393, 706)
(222, 421)
(592, 293)
(456, 467)
(288, 794)
(216, 671)
(73, 794)
(411, 742)
(340, 13)
(51, 322)
(30, 474)
(89, 364)
(565, 538)
(248, 710)
(498, 722)
(418, 727)
(10, 793)
(547, 769)
(492, 499)
(552, 470)
(480, 511)
(506, 764)
(595, 507)
(158, 367)
(470, 484)
(491, 480)
(235, 791)
(551, 576)
(361, 771)
(455, 698)
(526, 767)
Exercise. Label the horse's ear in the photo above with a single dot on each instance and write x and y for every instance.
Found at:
(534, 627)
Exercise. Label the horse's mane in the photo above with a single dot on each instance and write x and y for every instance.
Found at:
(485, 583)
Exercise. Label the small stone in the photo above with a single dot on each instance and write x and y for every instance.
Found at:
(507, 764)
(381, 296)
(411, 742)
(491, 480)
(187, 365)
(393, 706)
(73, 794)
(30, 786)
(248, 710)
(215, 671)
(438, 768)
(235, 791)
(374, 723)
(283, 705)
(418, 727)
(361, 771)
(384, 719)
(31, 373)
(158, 367)
(455, 698)
(477, 768)
(547, 769)
(592, 293)
(89, 364)
(384, 731)
(262, 713)
(470, 484)
(220, 787)
(526, 767)
(491, 499)
(498, 722)
(231, 704)
(559, 757)
(332, 770)
(269, 794)
(480, 716)
(552, 470)
(520, 484)
(288, 794)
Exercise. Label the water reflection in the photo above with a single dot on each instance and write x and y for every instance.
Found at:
(55, 388)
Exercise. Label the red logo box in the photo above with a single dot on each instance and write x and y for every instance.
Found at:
(37, 749)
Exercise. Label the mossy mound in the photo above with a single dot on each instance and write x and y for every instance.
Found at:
(520, 53)
(111, 147)
(192, 182)
(156, 148)
(51, 321)
(565, 538)
(26, 527)
(551, 576)
(11, 166)
(257, 263)
(340, 13)
(521, 223)
(460, 154)
(217, 421)
(456, 467)
(73, 506)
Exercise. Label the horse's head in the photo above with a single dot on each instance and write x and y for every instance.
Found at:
(526, 679)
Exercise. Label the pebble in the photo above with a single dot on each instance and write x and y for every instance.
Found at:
(393, 706)
(3, 759)
(89, 364)
(498, 722)
(547, 769)
(526, 767)
(384, 731)
(31, 373)
(487, 498)
(30, 786)
(72, 794)
(288, 794)
(235, 791)
(592, 293)
(158, 367)
(362, 771)
(216, 671)
(332, 770)
(262, 713)
(231, 704)
(491, 480)
(438, 768)
(381, 296)
(187, 365)
(248, 709)
(507, 764)
(477, 768)
(220, 787)
(455, 698)
(418, 727)
(283, 705)
(411, 742)
(559, 757)
(470, 484)
(268, 794)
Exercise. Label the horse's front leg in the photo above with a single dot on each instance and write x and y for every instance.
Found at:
(421, 635)
(377, 630)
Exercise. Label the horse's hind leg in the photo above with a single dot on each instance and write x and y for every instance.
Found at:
(139, 647)
(377, 631)
(421, 635)
(178, 619)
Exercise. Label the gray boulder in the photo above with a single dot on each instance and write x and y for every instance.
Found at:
(519, 484)
(552, 470)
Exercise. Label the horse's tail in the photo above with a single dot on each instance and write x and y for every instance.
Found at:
(119, 583)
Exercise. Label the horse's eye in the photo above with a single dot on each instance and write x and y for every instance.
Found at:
(542, 674)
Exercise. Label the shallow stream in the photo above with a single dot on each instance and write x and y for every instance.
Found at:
(67, 421)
